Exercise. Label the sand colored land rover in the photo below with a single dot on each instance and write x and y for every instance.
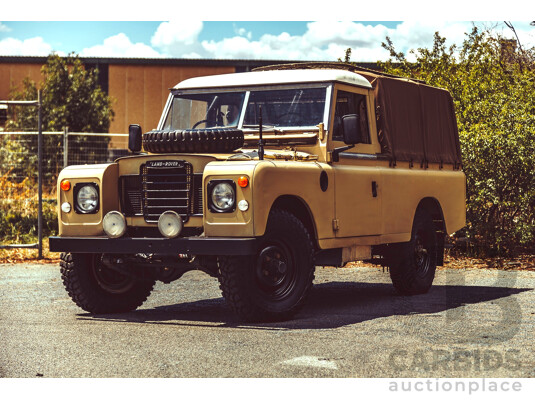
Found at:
(258, 177)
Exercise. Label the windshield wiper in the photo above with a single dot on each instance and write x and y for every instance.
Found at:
(258, 126)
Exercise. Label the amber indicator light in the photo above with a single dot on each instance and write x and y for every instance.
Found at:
(65, 185)
(243, 181)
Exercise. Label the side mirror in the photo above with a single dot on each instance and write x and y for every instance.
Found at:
(134, 138)
(351, 130)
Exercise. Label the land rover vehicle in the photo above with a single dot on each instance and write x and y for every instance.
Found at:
(256, 178)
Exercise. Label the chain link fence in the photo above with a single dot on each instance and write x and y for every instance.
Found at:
(19, 177)
(18, 153)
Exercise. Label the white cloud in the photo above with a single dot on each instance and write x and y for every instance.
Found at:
(4, 28)
(324, 32)
(328, 40)
(30, 47)
(242, 32)
(176, 38)
(120, 46)
(322, 41)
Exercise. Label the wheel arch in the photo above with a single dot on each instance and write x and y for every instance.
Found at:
(298, 207)
(432, 206)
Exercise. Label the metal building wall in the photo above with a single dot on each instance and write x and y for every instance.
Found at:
(142, 90)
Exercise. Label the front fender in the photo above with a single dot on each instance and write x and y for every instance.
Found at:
(106, 177)
(274, 179)
(236, 223)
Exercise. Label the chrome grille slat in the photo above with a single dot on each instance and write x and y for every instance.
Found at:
(167, 188)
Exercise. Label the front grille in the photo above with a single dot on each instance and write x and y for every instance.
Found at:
(159, 188)
(166, 186)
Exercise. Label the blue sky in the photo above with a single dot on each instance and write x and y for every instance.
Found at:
(188, 36)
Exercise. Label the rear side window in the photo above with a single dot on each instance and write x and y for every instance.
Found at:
(351, 103)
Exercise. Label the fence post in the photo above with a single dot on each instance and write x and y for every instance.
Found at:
(65, 146)
(40, 172)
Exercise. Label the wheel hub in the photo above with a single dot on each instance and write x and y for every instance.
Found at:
(110, 280)
(272, 265)
(274, 270)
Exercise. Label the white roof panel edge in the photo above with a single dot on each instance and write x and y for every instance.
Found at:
(256, 78)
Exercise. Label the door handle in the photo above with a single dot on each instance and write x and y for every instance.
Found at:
(374, 189)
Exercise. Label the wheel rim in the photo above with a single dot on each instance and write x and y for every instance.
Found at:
(109, 280)
(275, 272)
(422, 252)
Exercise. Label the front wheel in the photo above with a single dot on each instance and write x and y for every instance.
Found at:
(413, 264)
(98, 289)
(273, 284)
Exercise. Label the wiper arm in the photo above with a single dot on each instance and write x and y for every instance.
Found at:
(258, 126)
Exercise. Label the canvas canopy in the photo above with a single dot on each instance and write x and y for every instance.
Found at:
(415, 122)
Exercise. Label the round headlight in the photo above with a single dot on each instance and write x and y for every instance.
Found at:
(223, 196)
(87, 198)
(170, 224)
(114, 224)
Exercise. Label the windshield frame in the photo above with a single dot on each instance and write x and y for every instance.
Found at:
(248, 89)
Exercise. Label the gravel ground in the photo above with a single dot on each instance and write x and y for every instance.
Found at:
(473, 323)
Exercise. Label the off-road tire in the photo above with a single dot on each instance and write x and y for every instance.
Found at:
(84, 284)
(256, 295)
(413, 264)
(223, 140)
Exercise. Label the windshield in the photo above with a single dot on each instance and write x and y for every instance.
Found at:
(295, 107)
(204, 110)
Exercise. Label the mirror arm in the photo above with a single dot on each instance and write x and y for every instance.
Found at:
(338, 150)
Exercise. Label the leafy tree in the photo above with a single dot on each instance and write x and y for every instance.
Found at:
(72, 98)
(492, 82)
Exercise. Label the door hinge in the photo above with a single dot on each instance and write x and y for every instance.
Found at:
(336, 224)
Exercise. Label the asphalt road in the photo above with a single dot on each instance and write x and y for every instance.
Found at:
(473, 323)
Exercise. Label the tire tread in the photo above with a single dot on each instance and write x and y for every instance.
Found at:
(233, 276)
(87, 296)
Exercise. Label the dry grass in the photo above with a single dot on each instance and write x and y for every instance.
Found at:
(12, 256)
(524, 262)
(18, 219)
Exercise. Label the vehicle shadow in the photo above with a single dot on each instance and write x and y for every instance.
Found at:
(330, 305)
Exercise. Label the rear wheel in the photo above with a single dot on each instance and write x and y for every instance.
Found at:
(273, 284)
(98, 289)
(413, 264)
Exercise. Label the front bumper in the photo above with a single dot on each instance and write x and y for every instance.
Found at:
(194, 246)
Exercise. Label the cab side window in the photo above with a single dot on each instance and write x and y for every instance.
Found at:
(351, 104)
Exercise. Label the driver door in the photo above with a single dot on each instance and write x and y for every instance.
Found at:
(357, 177)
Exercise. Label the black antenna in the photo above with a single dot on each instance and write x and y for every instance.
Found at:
(260, 141)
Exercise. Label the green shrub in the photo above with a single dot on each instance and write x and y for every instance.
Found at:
(19, 210)
(492, 83)
(18, 221)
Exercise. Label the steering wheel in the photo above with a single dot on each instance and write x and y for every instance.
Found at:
(198, 123)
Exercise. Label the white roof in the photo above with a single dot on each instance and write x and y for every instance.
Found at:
(274, 77)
